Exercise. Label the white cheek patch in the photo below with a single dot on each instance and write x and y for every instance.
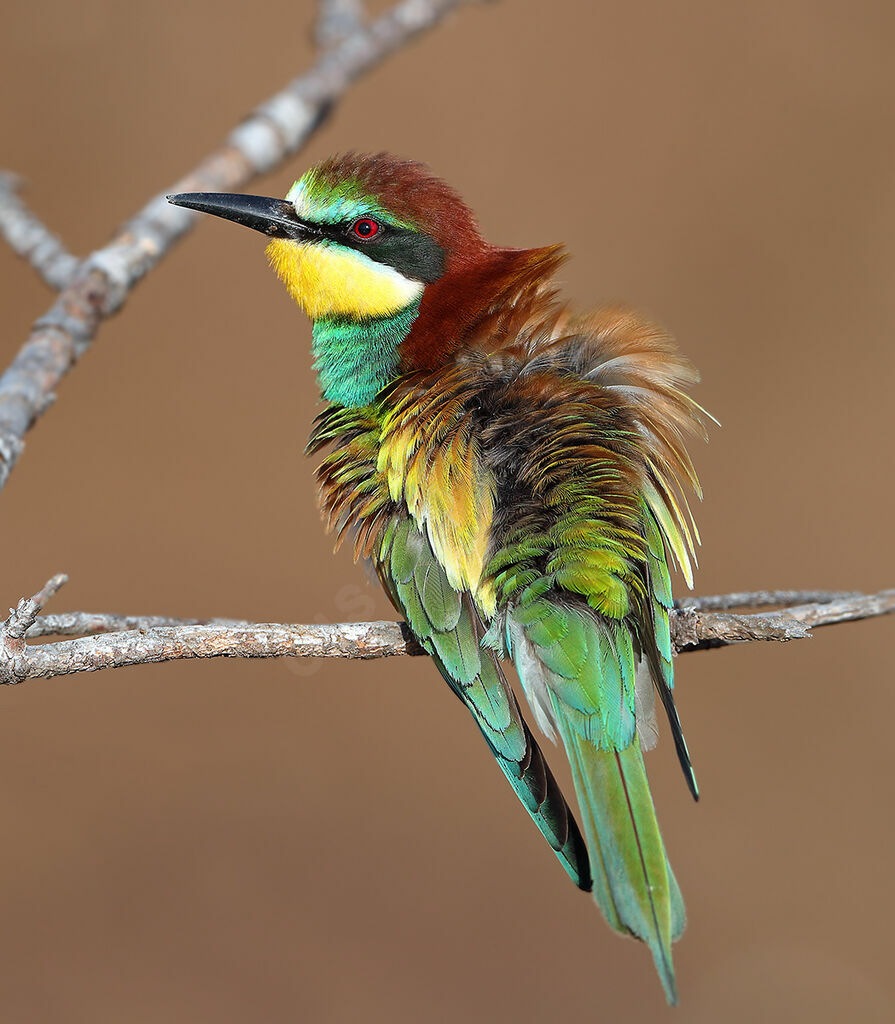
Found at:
(297, 195)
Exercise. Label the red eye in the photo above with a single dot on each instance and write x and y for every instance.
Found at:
(365, 228)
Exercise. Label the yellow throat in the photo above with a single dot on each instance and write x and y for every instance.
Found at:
(328, 280)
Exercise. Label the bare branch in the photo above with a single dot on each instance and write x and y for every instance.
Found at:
(848, 608)
(760, 599)
(31, 239)
(173, 643)
(153, 639)
(91, 623)
(102, 282)
(695, 631)
(336, 20)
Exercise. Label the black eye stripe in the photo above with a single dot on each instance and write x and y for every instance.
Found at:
(411, 253)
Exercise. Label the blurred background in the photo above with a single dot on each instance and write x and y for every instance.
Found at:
(272, 841)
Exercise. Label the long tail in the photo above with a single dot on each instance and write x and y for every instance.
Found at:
(632, 880)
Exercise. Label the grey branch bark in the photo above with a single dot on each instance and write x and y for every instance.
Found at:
(30, 238)
(118, 640)
(761, 599)
(101, 283)
(336, 20)
(694, 629)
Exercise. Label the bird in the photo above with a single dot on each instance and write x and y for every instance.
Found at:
(516, 474)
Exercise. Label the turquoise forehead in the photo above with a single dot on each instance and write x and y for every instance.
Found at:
(317, 199)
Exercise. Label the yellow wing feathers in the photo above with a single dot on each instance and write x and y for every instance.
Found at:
(431, 460)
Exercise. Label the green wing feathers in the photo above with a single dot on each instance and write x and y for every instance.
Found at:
(449, 629)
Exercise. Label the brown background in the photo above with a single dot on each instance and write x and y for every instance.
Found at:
(235, 841)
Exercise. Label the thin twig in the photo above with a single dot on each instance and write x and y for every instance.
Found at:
(153, 639)
(30, 238)
(275, 130)
(91, 623)
(336, 20)
(761, 599)
(23, 616)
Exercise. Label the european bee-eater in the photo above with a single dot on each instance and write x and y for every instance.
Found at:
(514, 473)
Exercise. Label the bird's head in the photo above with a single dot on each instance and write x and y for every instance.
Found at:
(387, 261)
(357, 237)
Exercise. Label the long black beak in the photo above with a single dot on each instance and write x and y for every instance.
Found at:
(273, 217)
